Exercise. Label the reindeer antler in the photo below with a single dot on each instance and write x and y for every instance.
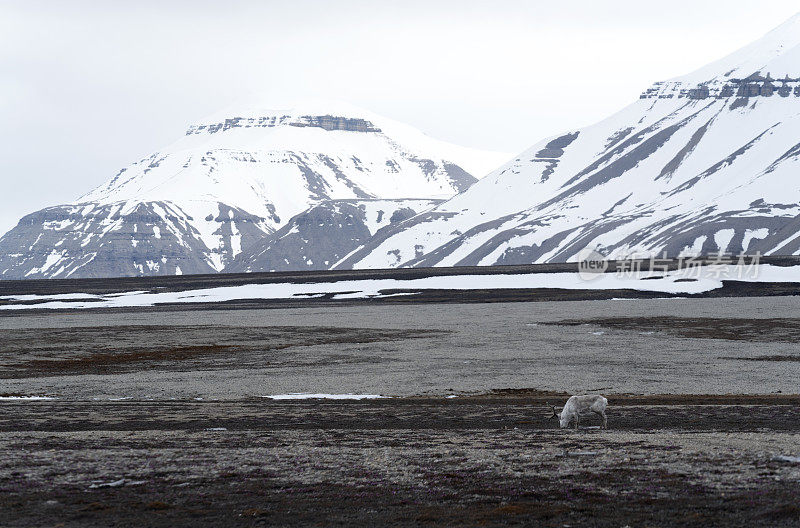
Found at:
(555, 414)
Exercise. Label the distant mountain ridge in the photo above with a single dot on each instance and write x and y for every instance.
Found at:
(231, 181)
(699, 164)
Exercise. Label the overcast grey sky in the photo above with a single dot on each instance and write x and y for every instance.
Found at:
(87, 87)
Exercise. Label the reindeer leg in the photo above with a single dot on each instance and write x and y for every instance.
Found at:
(602, 415)
(576, 421)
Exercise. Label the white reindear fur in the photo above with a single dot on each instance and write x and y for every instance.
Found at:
(578, 405)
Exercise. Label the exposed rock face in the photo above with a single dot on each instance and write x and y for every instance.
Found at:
(325, 122)
(753, 86)
(320, 237)
(152, 238)
(722, 90)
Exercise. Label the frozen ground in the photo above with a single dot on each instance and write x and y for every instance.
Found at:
(162, 418)
(682, 281)
(490, 461)
(668, 346)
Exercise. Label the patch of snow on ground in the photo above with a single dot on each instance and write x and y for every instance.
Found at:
(25, 398)
(305, 396)
(117, 483)
(708, 278)
(790, 459)
(60, 296)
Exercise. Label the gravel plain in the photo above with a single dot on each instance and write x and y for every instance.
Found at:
(159, 418)
(666, 346)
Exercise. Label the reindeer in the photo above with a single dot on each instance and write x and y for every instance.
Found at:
(578, 405)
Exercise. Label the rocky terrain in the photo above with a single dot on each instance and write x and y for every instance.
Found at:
(168, 417)
(488, 461)
(322, 236)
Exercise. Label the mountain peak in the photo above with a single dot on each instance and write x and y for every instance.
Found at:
(707, 164)
(776, 54)
(235, 179)
(328, 114)
(256, 113)
(256, 106)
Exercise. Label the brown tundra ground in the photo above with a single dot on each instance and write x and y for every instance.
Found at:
(161, 417)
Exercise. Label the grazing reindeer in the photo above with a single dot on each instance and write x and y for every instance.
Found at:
(578, 405)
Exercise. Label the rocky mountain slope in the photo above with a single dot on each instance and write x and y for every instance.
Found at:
(232, 182)
(325, 234)
(699, 164)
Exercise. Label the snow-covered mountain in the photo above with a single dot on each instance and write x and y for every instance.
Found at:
(230, 181)
(320, 237)
(699, 164)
